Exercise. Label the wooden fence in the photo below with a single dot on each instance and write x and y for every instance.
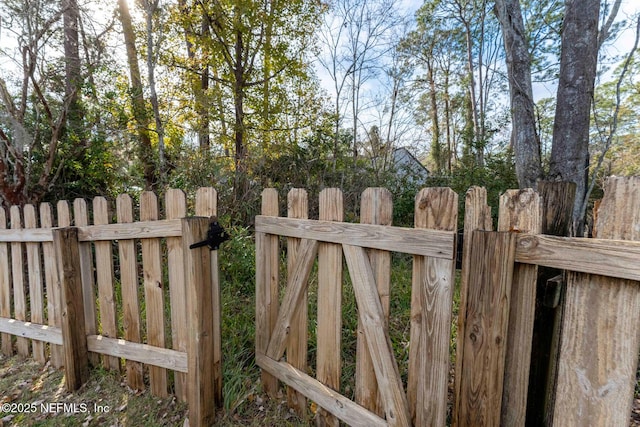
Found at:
(598, 333)
(68, 301)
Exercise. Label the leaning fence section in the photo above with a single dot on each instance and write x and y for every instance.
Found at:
(118, 289)
(381, 397)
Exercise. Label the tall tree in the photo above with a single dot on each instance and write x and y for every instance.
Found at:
(140, 112)
(524, 136)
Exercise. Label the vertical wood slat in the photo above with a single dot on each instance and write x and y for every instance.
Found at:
(104, 279)
(18, 279)
(207, 206)
(199, 324)
(153, 291)
(376, 208)
(329, 360)
(74, 336)
(371, 313)
(267, 281)
(130, 296)
(487, 316)
(596, 367)
(297, 207)
(34, 267)
(477, 216)
(5, 286)
(81, 216)
(52, 284)
(520, 211)
(176, 207)
(431, 311)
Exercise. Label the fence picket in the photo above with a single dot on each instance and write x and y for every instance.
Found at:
(18, 279)
(5, 286)
(130, 295)
(298, 207)
(329, 359)
(81, 216)
(596, 367)
(104, 278)
(487, 315)
(267, 286)
(176, 207)
(477, 216)
(431, 305)
(520, 211)
(34, 267)
(52, 285)
(376, 207)
(153, 291)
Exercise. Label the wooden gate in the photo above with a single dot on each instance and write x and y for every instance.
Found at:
(282, 327)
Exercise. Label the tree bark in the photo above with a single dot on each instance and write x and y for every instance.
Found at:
(524, 137)
(578, 61)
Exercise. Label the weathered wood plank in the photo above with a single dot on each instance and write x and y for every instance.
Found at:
(34, 269)
(207, 206)
(19, 283)
(601, 326)
(199, 323)
(52, 284)
(81, 214)
(376, 207)
(176, 208)
(431, 311)
(293, 297)
(329, 360)
(5, 286)
(371, 314)
(153, 291)
(485, 339)
(130, 294)
(477, 216)
(343, 408)
(34, 331)
(104, 279)
(297, 207)
(143, 229)
(439, 244)
(520, 211)
(267, 284)
(612, 258)
(74, 336)
(139, 353)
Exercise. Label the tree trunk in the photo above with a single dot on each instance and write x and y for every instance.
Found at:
(73, 76)
(137, 98)
(524, 137)
(578, 61)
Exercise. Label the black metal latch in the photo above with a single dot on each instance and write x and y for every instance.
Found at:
(215, 236)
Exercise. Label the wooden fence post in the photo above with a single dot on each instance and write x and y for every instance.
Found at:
(74, 337)
(207, 206)
(200, 374)
(329, 358)
(18, 279)
(267, 286)
(601, 327)
(485, 337)
(520, 211)
(431, 306)
(376, 207)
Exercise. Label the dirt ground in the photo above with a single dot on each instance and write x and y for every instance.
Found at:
(34, 395)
